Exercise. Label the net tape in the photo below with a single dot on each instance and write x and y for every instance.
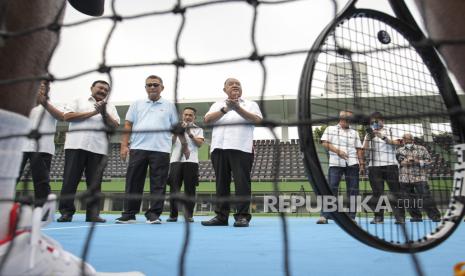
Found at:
(180, 62)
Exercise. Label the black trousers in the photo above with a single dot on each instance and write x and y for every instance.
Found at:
(390, 174)
(158, 162)
(418, 195)
(92, 164)
(189, 173)
(227, 163)
(40, 170)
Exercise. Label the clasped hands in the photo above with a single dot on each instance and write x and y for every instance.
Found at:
(100, 106)
(232, 104)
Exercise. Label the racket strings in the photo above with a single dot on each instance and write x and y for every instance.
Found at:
(377, 75)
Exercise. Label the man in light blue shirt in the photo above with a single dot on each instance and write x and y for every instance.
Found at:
(147, 149)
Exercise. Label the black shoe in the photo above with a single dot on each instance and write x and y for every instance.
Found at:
(241, 222)
(96, 219)
(377, 220)
(125, 219)
(215, 222)
(436, 219)
(65, 218)
(416, 220)
(322, 220)
(172, 219)
(152, 218)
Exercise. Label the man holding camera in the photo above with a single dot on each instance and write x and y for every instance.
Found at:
(383, 165)
(184, 165)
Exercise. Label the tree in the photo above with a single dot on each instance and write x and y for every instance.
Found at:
(318, 132)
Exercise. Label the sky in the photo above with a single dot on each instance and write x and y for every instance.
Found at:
(211, 33)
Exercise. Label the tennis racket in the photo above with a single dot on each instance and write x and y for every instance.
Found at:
(367, 61)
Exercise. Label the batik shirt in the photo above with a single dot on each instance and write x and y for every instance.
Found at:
(413, 173)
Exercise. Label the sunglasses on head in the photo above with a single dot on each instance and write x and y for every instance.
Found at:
(152, 85)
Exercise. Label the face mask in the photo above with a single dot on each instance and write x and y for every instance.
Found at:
(409, 146)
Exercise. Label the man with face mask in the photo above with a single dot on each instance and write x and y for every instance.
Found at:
(147, 149)
(383, 166)
(86, 149)
(231, 151)
(185, 167)
(414, 162)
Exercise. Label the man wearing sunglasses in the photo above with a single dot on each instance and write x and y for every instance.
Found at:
(147, 149)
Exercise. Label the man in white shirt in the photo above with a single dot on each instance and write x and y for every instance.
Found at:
(345, 158)
(382, 165)
(86, 148)
(43, 119)
(231, 151)
(185, 167)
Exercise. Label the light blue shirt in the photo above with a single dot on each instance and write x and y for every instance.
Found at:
(149, 115)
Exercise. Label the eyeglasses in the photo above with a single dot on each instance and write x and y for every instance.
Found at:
(155, 85)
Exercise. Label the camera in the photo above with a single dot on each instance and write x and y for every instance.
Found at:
(370, 134)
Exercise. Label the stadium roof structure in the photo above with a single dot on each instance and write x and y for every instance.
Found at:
(276, 108)
(283, 109)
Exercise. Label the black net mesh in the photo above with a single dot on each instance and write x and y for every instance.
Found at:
(355, 71)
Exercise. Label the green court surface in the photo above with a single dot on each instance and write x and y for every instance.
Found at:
(117, 185)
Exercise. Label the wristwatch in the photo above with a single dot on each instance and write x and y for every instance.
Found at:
(384, 138)
(222, 110)
(191, 136)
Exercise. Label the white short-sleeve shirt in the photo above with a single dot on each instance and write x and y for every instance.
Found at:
(47, 124)
(343, 139)
(237, 137)
(93, 141)
(381, 153)
(194, 150)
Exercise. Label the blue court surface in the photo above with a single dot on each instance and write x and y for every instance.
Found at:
(257, 250)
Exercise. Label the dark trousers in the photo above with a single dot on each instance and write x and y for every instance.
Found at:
(92, 164)
(40, 170)
(351, 174)
(418, 195)
(390, 174)
(238, 163)
(189, 173)
(139, 160)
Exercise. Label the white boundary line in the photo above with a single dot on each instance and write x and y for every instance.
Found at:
(86, 226)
